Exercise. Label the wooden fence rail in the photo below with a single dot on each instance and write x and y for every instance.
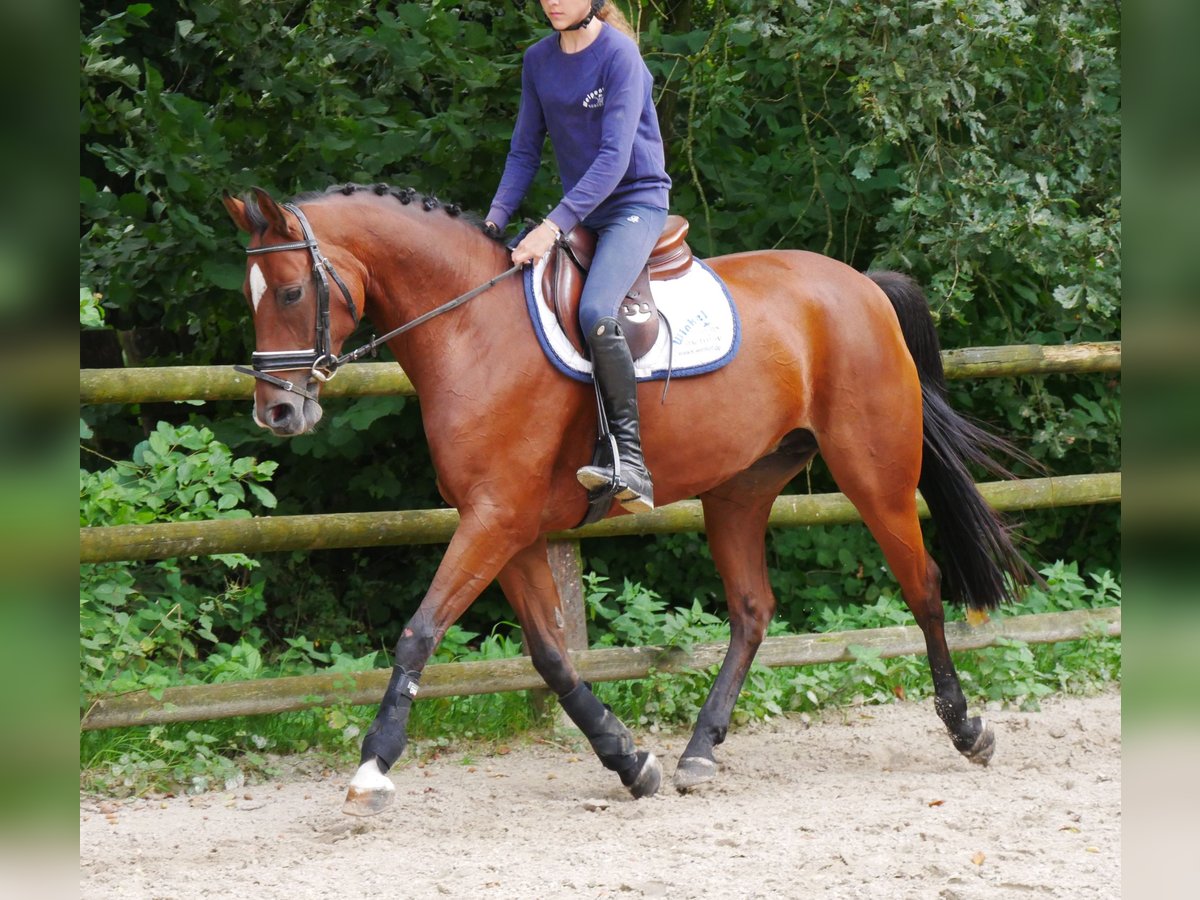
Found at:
(274, 695)
(163, 384)
(433, 526)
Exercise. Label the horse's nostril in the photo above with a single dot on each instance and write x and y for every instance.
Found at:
(280, 414)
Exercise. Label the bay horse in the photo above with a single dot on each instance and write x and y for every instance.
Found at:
(832, 361)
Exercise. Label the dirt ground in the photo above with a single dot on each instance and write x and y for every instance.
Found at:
(870, 802)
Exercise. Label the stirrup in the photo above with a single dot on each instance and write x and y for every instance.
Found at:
(602, 479)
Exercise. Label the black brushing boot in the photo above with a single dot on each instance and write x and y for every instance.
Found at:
(612, 367)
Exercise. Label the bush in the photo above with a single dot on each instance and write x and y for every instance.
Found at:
(148, 625)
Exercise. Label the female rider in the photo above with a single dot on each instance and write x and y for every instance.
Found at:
(586, 85)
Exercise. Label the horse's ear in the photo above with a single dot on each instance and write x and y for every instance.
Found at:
(237, 211)
(275, 217)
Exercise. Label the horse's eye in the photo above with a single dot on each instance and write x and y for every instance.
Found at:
(290, 295)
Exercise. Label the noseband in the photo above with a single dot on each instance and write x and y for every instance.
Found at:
(320, 361)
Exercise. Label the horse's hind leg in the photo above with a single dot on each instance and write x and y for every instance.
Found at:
(735, 518)
(528, 584)
(876, 462)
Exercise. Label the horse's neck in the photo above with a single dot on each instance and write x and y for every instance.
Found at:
(413, 270)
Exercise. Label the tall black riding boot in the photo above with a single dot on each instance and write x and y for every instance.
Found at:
(612, 367)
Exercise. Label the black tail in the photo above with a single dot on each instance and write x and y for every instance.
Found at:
(977, 547)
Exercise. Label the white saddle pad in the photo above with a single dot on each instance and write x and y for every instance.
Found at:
(705, 331)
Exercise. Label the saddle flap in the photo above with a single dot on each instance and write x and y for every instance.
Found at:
(580, 242)
(562, 286)
(570, 259)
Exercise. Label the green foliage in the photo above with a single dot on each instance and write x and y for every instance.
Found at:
(636, 616)
(226, 753)
(176, 475)
(968, 143)
(1012, 672)
(1021, 674)
(139, 622)
(438, 722)
(195, 761)
(91, 313)
(179, 101)
(817, 566)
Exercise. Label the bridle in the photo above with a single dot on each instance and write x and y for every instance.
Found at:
(320, 361)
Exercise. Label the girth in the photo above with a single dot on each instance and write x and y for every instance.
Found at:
(570, 259)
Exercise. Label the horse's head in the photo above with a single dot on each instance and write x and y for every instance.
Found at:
(303, 308)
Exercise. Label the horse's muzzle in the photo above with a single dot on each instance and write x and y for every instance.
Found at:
(288, 415)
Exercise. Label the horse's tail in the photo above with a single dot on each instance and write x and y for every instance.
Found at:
(977, 546)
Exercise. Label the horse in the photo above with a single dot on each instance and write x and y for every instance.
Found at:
(832, 361)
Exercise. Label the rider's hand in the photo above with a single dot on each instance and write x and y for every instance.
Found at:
(534, 245)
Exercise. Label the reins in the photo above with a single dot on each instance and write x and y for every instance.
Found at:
(369, 348)
(320, 360)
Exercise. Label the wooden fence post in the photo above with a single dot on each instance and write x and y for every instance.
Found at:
(566, 564)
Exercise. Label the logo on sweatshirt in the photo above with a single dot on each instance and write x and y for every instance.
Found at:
(594, 99)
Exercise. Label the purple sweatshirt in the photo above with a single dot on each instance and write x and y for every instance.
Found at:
(597, 107)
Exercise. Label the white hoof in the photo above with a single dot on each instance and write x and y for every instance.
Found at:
(370, 791)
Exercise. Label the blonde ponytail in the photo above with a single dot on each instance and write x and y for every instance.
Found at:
(610, 15)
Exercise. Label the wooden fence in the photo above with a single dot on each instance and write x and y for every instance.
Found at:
(264, 534)
(164, 384)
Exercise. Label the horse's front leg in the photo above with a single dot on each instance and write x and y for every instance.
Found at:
(476, 553)
(528, 584)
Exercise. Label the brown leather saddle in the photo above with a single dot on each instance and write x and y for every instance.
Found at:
(563, 277)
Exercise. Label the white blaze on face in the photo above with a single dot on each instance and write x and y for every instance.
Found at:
(258, 285)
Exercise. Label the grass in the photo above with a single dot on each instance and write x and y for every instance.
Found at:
(227, 753)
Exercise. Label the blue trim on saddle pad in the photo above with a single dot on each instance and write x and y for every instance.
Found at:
(679, 311)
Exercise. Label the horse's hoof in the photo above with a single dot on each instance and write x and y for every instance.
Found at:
(367, 803)
(648, 779)
(370, 793)
(981, 751)
(693, 771)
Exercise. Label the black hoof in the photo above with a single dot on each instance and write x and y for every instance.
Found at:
(648, 778)
(981, 751)
(693, 771)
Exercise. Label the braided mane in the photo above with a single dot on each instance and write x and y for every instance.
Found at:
(407, 196)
